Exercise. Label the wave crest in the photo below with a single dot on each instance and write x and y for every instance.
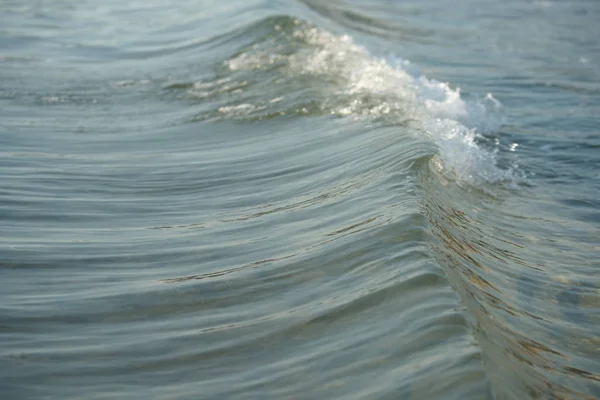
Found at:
(295, 68)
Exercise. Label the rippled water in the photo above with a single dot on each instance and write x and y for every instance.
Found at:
(299, 199)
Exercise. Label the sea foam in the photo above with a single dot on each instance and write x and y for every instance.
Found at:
(363, 86)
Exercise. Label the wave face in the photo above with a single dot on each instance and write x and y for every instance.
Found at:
(268, 200)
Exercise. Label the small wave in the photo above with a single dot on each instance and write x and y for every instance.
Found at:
(299, 69)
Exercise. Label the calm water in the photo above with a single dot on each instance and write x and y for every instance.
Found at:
(299, 199)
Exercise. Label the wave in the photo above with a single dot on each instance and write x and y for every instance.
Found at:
(295, 214)
(303, 70)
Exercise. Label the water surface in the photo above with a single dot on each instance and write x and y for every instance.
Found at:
(297, 200)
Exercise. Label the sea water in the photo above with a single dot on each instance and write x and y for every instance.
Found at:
(295, 199)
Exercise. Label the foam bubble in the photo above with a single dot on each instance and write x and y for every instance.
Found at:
(452, 122)
(361, 85)
(240, 109)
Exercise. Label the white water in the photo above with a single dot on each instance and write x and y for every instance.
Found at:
(365, 86)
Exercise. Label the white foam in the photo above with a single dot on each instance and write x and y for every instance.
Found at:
(366, 86)
(240, 109)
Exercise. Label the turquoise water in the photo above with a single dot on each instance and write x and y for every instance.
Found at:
(299, 200)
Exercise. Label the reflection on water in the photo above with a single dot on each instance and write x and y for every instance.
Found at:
(506, 317)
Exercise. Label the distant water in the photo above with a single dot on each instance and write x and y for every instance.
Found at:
(300, 199)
